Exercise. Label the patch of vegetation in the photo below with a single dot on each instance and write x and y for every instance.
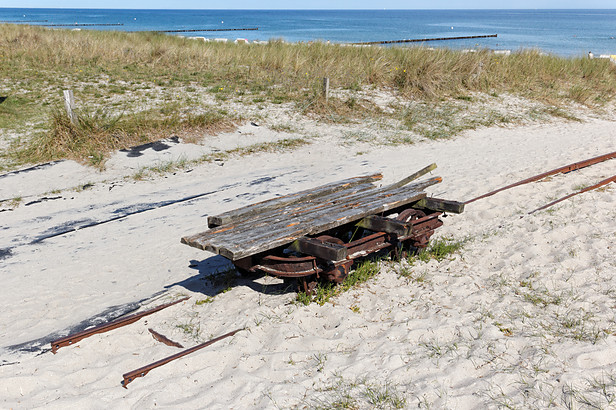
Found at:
(596, 393)
(440, 120)
(191, 328)
(359, 393)
(204, 301)
(97, 134)
(439, 249)
(224, 279)
(13, 202)
(132, 69)
(325, 291)
(17, 110)
(286, 144)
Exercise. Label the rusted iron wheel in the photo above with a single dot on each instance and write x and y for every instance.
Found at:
(409, 215)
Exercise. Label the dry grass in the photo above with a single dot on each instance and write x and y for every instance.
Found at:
(419, 71)
(33, 52)
(118, 69)
(95, 135)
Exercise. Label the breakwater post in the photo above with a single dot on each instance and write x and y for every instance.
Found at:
(69, 104)
(326, 88)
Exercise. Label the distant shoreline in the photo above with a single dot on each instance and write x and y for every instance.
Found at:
(564, 32)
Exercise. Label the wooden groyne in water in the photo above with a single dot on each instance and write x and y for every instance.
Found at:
(207, 29)
(421, 40)
(82, 24)
(24, 21)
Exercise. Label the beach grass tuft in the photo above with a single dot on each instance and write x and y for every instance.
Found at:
(325, 291)
(95, 134)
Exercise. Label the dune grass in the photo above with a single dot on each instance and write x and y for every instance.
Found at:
(285, 70)
(133, 72)
(96, 134)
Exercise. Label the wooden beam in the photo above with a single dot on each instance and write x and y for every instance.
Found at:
(326, 88)
(323, 250)
(377, 223)
(414, 176)
(441, 205)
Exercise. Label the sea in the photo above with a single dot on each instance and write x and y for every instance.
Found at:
(566, 33)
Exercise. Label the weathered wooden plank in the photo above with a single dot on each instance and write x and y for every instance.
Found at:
(377, 223)
(250, 230)
(237, 250)
(441, 205)
(250, 224)
(238, 241)
(345, 199)
(260, 230)
(292, 210)
(306, 196)
(276, 203)
(414, 176)
(323, 250)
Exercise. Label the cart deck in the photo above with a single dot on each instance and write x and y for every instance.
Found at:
(277, 236)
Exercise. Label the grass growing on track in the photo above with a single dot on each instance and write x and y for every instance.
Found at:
(325, 291)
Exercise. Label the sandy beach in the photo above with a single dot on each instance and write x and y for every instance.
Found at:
(521, 317)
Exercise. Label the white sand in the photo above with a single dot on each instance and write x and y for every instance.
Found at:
(523, 316)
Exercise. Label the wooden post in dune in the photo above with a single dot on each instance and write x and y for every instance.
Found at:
(69, 104)
(326, 88)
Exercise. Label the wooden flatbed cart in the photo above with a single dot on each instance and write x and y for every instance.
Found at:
(318, 233)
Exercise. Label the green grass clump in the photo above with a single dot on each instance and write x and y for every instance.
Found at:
(358, 394)
(325, 291)
(437, 120)
(204, 301)
(440, 249)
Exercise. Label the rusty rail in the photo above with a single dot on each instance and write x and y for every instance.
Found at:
(142, 371)
(164, 339)
(565, 169)
(74, 338)
(590, 188)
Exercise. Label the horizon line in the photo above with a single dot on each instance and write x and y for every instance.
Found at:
(310, 9)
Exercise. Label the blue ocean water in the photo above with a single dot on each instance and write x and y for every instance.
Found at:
(562, 32)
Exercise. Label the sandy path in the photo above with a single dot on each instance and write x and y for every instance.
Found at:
(525, 308)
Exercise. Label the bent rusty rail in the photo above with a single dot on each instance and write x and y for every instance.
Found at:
(142, 371)
(565, 169)
(590, 188)
(75, 337)
(164, 339)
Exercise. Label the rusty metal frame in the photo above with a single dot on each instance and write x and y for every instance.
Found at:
(422, 223)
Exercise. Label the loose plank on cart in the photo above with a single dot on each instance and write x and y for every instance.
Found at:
(255, 232)
(252, 210)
